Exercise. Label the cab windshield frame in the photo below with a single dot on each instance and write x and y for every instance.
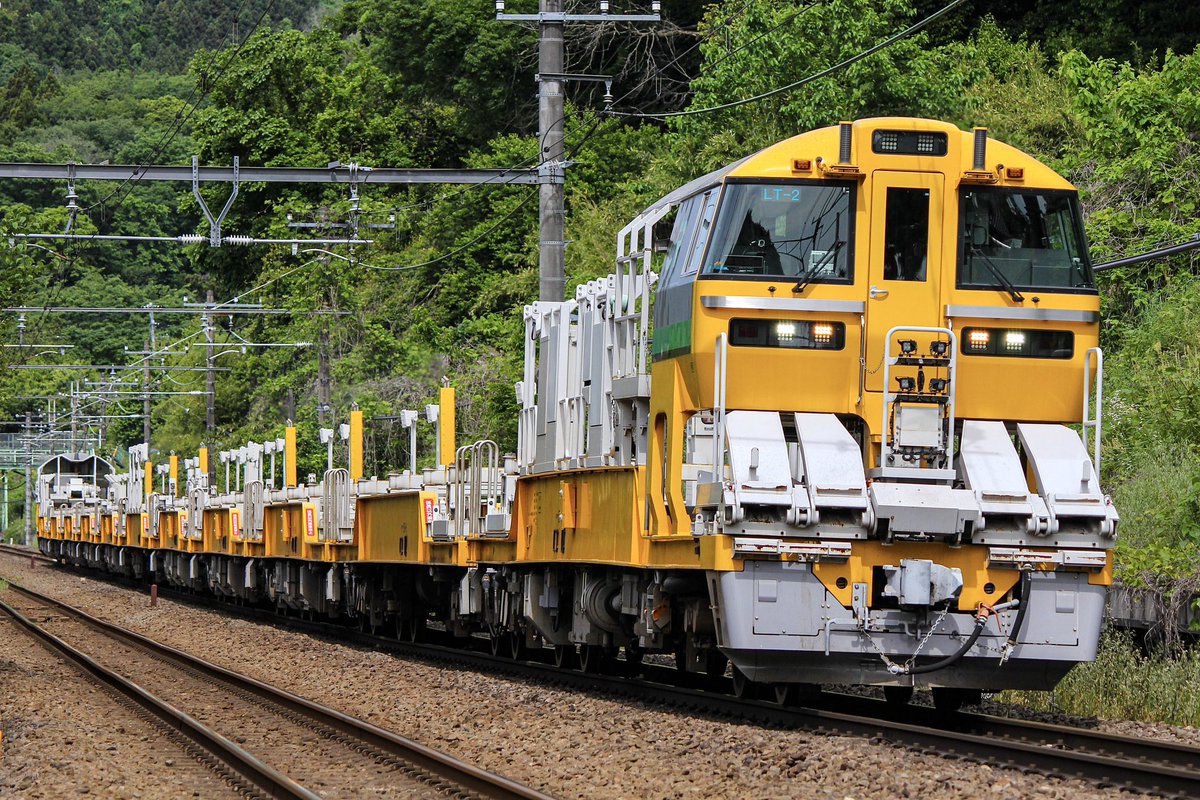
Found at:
(994, 227)
(833, 264)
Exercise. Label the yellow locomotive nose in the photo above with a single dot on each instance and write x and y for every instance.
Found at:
(857, 300)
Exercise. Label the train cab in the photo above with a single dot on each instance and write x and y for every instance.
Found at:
(869, 341)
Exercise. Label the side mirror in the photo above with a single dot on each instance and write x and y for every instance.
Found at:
(661, 235)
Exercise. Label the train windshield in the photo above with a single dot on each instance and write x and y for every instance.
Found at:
(1022, 239)
(794, 229)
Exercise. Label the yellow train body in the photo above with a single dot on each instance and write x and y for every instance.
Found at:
(840, 437)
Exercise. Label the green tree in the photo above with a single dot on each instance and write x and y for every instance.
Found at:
(772, 45)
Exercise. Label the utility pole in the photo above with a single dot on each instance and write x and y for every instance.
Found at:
(210, 389)
(323, 381)
(28, 482)
(146, 396)
(552, 22)
(103, 421)
(210, 379)
(74, 415)
(551, 128)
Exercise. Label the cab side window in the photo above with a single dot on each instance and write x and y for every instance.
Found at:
(682, 235)
(709, 205)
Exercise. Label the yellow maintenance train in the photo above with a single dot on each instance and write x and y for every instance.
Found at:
(834, 418)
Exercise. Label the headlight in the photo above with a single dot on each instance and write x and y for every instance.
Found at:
(787, 333)
(1018, 343)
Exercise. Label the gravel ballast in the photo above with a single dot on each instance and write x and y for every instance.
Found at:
(66, 737)
(565, 743)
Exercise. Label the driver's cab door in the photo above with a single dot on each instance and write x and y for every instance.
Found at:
(905, 264)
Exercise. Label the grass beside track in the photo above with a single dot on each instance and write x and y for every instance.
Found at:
(1124, 684)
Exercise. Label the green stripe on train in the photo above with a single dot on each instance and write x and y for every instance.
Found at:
(672, 340)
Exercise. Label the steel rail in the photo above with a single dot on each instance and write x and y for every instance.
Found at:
(460, 773)
(26, 552)
(992, 740)
(1132, 748)
(263, 777)
(1161, 767)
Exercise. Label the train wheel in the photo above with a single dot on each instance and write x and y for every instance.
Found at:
(564, 656)
(897, 695)
(743, 687)
(497, 642)
(797, 694)
(592, 658)
(516, 646)
(412, 630)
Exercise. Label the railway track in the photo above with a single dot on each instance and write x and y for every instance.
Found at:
(249, 725)
(1108, 760)
(27, 552)
(1104, 759)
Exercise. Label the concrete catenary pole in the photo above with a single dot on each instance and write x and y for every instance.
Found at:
(28, 481)
(146, 395)
(551, 251)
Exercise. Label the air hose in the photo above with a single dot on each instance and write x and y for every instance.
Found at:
(1023, 595)
(981, 618)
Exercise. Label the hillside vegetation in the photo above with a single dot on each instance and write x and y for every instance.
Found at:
(1110, 103)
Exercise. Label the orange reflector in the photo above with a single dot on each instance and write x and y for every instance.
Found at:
(1015, 173)
(801, 165)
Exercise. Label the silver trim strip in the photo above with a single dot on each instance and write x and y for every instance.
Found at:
(784, 304)
(1039, 314)
(804, 551)
(1016, 556)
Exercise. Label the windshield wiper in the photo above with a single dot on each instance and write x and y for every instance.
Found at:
(1002, 281)
(807, 276)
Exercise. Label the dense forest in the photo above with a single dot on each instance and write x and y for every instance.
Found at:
(1102, 90)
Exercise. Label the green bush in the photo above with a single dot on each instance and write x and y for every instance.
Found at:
(1124, 684)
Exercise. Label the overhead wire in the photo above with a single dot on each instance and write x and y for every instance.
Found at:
(722, 24)
(785, 21)
(168, 137)
(591, 133)
(512, 213)
(904, 34)
(180, 118)
(566, 116)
